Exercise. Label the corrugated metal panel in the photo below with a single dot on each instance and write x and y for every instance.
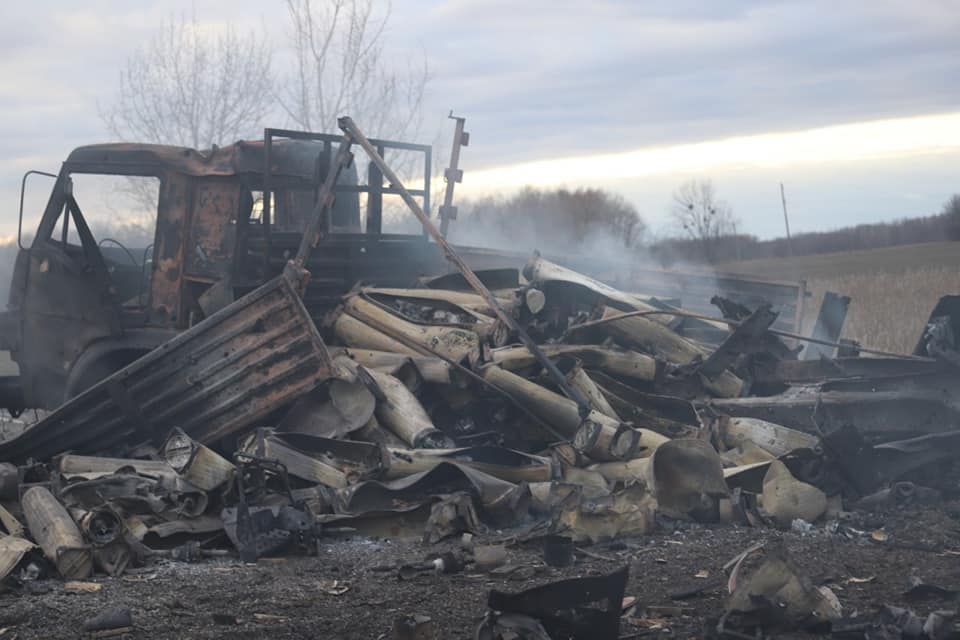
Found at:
(217, 378)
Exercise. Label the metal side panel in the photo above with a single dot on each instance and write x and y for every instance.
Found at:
(217, 378)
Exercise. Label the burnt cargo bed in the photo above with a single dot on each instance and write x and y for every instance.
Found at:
(212, 380)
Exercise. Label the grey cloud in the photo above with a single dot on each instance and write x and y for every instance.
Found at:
(537, 79)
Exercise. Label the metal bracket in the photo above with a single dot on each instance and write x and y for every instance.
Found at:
(453, 174)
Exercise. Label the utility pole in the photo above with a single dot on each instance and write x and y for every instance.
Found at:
(736, 242)
(786, 220)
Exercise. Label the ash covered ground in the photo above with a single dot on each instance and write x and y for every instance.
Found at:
(352, 589)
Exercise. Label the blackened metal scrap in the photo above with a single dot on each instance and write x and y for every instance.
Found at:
(940, 334)
(494, 278)
(899, 493)
(136, 494)
(669, 415)
(579, 608)
(738, 342)
(116, 621)
(500, 462)
(349, 127)
(257, 530)
(829, 325)
(885, 409)
(776, 332)
(357, 460)
(217, 378)
(898, 457)
(403, 522)
(336, 410)
(504, 502)
(9, 481)
(263, 444)
(636, 331)
(793, 372)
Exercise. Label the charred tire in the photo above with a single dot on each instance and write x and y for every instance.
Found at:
(84, 376)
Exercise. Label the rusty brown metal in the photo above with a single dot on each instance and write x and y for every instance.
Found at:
(214, 379)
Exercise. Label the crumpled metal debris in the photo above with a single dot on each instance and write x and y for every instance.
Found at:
(785, 498)
(578, 609)
(551, 404)
(777, 594)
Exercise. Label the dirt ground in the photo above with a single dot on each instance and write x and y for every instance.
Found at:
(351, 589)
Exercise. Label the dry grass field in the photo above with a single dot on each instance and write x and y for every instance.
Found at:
(892, 289)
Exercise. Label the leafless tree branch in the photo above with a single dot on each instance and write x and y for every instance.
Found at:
(701, 215)
(342, 69)
(191, 86)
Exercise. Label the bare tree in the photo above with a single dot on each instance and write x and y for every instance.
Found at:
(193, 85)
(703, 217)
(951, 208)
(341, 69)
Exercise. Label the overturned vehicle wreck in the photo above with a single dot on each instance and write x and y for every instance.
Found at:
(275, 384)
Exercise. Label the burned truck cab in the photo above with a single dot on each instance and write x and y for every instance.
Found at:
(139, 242)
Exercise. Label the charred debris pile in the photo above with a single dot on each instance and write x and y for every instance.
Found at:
(416, 413)
(423, 419)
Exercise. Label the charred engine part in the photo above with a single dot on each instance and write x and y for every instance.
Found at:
(254, 530)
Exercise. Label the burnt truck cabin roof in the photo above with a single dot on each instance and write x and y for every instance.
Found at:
(295, 158)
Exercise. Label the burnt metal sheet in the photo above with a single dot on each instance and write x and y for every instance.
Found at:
(829, 326)
(217, 378)
(739, 341)
(883, 408)
(576, 608)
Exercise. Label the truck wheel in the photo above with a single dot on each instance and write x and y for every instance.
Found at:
(101, 368)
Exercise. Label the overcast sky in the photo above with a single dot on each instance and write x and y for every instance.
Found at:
(853, 105)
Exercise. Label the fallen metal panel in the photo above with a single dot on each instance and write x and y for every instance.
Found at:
(214, 379)
(829, 326)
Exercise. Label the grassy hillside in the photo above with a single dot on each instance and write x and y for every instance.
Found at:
(892, 289)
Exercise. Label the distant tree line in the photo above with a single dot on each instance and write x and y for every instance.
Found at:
(731, 247)
(704, 228)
